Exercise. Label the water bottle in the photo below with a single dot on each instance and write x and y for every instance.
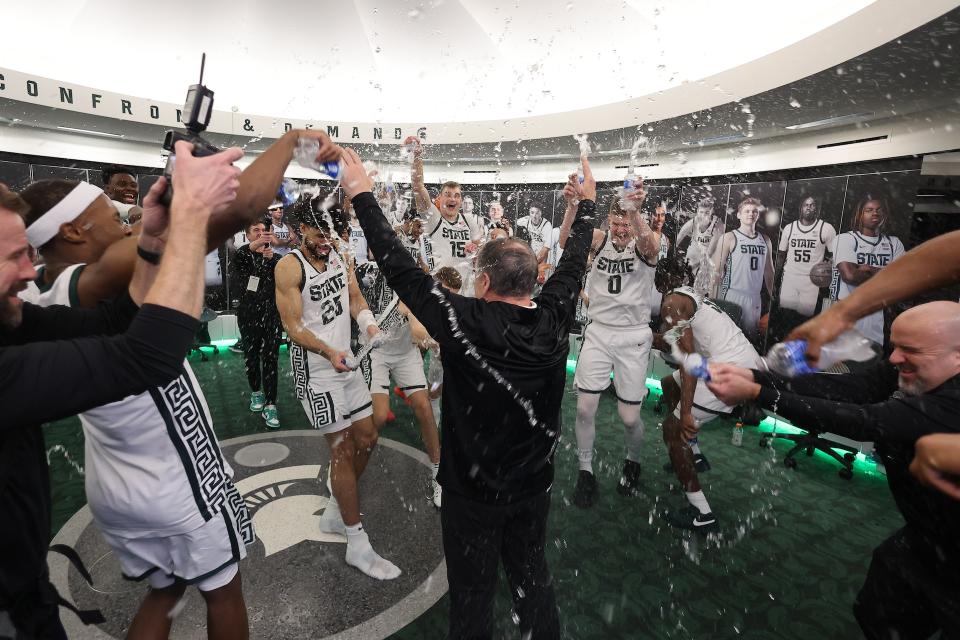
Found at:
(351, 363)
(788, 358)
(631, 185)
(306, 155)
(289, 192)
(737, 438)
(697, 366)
(434, 371)
(406, 151)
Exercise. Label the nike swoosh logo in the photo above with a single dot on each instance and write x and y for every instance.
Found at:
(314, 277)
(697, 522)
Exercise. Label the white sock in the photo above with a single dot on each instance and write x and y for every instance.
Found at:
(362, 556)
(698, 500)
(633, 429)
(695, 446)
(586, 429)
(331, 521)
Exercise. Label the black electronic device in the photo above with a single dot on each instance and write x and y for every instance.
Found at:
(197, 111)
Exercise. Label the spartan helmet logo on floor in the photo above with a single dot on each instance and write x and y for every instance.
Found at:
(286, 507)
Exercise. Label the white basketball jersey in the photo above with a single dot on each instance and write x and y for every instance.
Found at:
(716, 336)
(358, 244)
(858, 249)
(325, 296)
(619, 286)
(64, 288)
(745, 265)
(282, 233)
(699, 249)
(152, 461)
(540, 234)
(448, 241)
(804, 248)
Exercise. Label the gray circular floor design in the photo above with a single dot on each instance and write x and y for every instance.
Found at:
(261, 454)
(294, 587)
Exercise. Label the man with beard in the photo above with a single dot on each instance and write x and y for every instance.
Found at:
(911, 589)
(317, 294)
(48, 373)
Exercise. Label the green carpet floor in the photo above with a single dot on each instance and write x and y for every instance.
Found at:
(793, 549)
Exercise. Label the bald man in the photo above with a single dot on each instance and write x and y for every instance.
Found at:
(912, 588)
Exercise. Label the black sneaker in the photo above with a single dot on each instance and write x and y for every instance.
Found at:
(700, 462)
(629, 479)
(690, 518)
(585, 493)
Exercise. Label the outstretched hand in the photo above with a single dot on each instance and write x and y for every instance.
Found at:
(354, 178)
(208, 183)
(821, 330)
(588, 189)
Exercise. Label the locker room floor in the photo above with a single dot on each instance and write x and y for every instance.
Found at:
(792, 552)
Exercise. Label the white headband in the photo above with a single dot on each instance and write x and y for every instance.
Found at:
(48, 225)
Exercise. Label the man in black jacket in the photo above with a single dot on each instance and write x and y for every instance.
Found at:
(504, 357)
(912, 587)
(258, 319)
(58, 361)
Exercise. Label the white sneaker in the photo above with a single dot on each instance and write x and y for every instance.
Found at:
(437, 493)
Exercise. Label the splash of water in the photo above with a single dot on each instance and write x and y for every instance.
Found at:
(59, 448)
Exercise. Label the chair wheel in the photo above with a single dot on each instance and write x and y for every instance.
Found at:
(846, 474)
(849, 457)
(216, 349)
(790, 463)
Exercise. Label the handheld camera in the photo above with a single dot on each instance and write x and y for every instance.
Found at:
(197, 111)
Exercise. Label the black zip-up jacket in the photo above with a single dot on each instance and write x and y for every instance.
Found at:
(867, 406)
(248, 263)
(58, 362)
(491, 452)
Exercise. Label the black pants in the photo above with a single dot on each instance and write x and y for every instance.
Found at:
(475, 538)
(260, 327)
(906, 595)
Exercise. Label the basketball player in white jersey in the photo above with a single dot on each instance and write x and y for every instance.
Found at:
(699, 327)
(744, 263)
(539, 229)
(284, 238)
(399, 358)
(317, 294)
(453, 237)
(705, 229)
(358, 241)
(657, 219)
(803, 244)
(861, 253)
(156, 481)
(618, 337)
(496, 218)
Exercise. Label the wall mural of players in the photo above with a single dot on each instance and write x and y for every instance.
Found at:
(701, 218)
(811, 216)
(538, 228)
(878, 212)
(743, 259)
(659, 209)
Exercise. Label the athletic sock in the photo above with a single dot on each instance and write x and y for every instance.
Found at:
(362, 556)
(633, 429)
(586, 459)
(698, 500)
(694, 446)
(331, 521)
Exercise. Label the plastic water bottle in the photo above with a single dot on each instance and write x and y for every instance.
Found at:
(696, 365)
(306, 155)
(406, 151)
(351, 363)
(631, 185)
(434, 370)
(788, 359)
(289, 192)
(737, 438)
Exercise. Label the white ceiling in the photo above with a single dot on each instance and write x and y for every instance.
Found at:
(428, 61)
